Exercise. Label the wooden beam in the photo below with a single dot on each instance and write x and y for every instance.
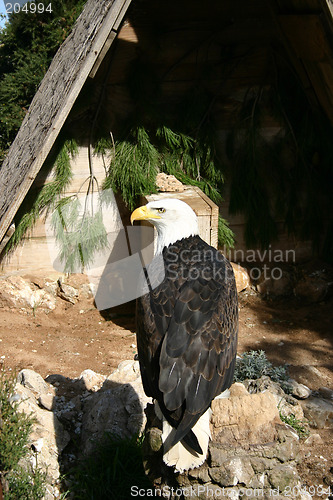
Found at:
(307, 35)
(53, 101)
(112, 35)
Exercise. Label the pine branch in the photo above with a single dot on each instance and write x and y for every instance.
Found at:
(48, 195)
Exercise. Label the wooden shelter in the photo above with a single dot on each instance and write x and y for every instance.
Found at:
(184, 42)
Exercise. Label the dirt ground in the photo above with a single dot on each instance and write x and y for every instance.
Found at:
(75, 337)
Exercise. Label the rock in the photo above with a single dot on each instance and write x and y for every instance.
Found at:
(33, 381)
(47, 401)
(299, 391)
(286, 404)
(232, 472)
(313, 439)
(245, 419)
(283, 478)
(118, 411)
(168, 183)
(56, 379)
(311, 289)
(92, 381)
(241, 276)
(271, 287)
(67, 292)
(86, 291)
(319, 412)
(19, 293)
(238, 389)
(325, 393)
(251, 450)
(48, 437)
(127, 371)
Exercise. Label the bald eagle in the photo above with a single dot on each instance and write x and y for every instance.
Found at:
(186, 331)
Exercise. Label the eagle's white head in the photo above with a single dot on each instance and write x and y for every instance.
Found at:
(174, 219)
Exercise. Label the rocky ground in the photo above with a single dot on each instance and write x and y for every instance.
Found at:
(54, 329)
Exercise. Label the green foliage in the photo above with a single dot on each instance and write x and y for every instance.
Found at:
(254, 364)
(25, 485)
(46, 197)
(297, 424)
(225, 234)
(137, 160)
(79, 233)
(111, 470)
(285, 177)
(133, 167)
(28, 43)
(15, 428)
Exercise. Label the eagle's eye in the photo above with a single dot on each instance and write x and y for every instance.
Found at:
(161, 210)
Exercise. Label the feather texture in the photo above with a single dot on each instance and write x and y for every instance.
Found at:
(187, 340)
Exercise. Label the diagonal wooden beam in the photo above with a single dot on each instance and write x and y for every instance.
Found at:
(53, 101)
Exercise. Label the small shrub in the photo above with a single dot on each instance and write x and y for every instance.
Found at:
(15, 428)
(111, 470)
(296, 424)
(25, 485)
(254, 364)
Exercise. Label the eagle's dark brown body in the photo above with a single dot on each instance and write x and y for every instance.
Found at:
(187, 334)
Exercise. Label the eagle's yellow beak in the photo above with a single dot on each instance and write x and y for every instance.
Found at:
(143, 213)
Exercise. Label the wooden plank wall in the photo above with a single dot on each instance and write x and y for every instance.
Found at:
(53, 101)
(33, 255)
(185, 46)
(185, 41)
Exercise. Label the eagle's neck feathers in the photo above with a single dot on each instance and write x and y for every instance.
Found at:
(167, 234)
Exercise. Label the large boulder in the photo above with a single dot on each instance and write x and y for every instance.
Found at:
(241, 277)
(251, 452)
(48, 437)
(16, 292)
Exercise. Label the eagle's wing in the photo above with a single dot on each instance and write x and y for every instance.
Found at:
(153, 315)
(187, 342)
(198, 352)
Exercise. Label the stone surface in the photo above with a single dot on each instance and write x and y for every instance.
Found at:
(47, 401)
(93, 381)
(313, 439)
(251, 450)
(300, 391)
(48, 437)
(169, 183)
(20, 293)
(311, 289)
(127, 371)
(325, 393)
(319, 412)
(67, 292)
(80, 411)
(283, 477)
(270, 287)
(286, 404)
(247, 418)
(117, 410)
(241, 276)
(33, 381)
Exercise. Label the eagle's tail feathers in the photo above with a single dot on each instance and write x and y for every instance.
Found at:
(190, 440)
(181, 455)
